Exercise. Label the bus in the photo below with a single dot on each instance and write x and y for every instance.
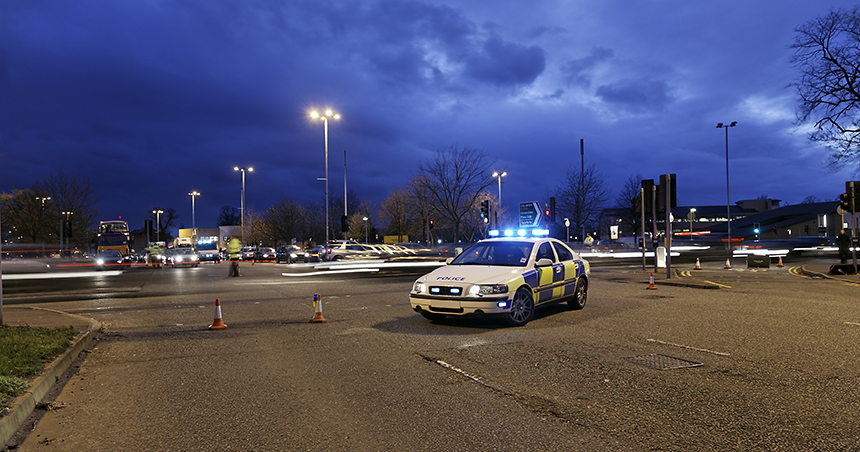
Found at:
(113, 235)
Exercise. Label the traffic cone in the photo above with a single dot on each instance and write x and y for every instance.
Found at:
(728, 264)
(698, 267)
(779, 264)
(651, 285)
(217, 324)
(318, 317)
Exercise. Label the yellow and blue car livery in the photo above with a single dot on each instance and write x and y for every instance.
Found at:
(509, 277)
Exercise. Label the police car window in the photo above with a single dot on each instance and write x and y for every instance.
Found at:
(545, 252)
(564, 254)
(508, 254)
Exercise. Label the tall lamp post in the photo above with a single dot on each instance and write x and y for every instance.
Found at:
(157, 213)
(728, 199)
(193, 195)
(242, 209)
(499, 176)
(691, 216)
(365, 230)
(325, 118)
(68, 234)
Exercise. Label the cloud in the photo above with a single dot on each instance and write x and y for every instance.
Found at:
(637, 96)
(505, 63)
(578, 72)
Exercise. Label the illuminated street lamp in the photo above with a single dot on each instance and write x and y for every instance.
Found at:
(691, 216)
(193, 195)
(242, 210)
(499, 176)
(728, 200)
(325, 118)
(365, 230)
(62, 227)
(157, 213)
(43, 199)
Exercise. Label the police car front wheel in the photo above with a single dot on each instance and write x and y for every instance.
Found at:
(580, 295)
(522, 308)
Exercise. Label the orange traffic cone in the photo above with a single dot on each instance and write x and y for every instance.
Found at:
(728, 264)
(318, 317)
(779, 264)
(217, 324)
(698, 267)
(651, 285)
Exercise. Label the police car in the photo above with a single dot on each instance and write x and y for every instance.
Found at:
(505, 276)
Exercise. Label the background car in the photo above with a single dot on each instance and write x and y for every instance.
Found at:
(313, 254)
(182, 256)
(248, 253)
(336, 250)
(290, 254)
(265, 254)
(109, 258)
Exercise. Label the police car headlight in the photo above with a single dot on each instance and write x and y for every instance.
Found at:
(100, 262)
(488, 289)
(419, 287)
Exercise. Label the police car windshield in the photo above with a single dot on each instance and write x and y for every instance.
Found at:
(507, 254)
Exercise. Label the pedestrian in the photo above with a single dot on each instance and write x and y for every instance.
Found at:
(843, 241)
(589, 241)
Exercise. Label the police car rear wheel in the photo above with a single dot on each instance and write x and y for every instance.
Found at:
(522, 308)
(580, 295)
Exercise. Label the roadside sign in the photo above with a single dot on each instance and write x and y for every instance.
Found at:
(530, 214)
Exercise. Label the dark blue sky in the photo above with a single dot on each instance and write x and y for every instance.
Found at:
(154, 99)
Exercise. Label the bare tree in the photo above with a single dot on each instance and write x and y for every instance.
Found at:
(25, 217)
(827, 54)
(287, 220)
(163, 221)
(628, 204)
(229, 216)
(73, 194)
(396, 214)
(581, 198)
(454, 178)
(420, 206)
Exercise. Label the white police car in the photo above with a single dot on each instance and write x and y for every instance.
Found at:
(504, 276)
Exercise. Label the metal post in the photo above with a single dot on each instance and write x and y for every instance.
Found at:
(325, 121)
(654, 223)
(668, 227)
(345, 214)
(642, 209)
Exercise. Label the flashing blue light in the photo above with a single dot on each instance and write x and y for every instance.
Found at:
(540, 231)
(494, 233)
(509, 233)
(502, 304)
(521, 232)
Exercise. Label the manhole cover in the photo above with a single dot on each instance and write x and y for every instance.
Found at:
(661, 362)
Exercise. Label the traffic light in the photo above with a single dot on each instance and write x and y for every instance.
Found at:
(756, 228)
(546, 211)
(344, 223)
(552, 209)
(431, 224)
(485, 210)
(846, 202)
(667, 180)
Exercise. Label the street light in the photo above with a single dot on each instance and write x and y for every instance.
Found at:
(157, 213)
(691, 216)
(365, 230)
(325, 117)
(499, 176)
(728, 200)
(242, 210)
(43, 199)
(193, 195)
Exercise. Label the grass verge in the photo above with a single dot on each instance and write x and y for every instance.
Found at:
(23, 353)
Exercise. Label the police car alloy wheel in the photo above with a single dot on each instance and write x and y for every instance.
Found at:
(522, 308)
(580, 295)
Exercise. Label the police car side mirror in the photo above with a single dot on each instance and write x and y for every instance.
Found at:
(449, 260)
(543, 263)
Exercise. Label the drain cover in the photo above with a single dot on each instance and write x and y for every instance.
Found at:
(661, 362)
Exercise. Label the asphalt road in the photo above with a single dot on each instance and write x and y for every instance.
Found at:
(777, 352)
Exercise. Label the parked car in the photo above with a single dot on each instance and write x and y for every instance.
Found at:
(265, 254)
(508, 277)
(313, 254)
(182, 256)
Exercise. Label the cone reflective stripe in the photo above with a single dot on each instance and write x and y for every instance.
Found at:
(698, 267)
(318, 317)
(728, 264)
(217, 324)
(651, 285)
